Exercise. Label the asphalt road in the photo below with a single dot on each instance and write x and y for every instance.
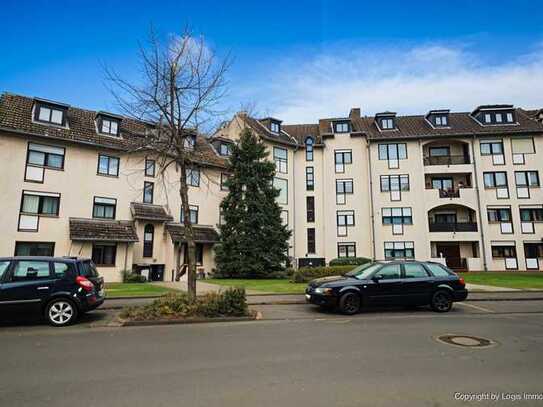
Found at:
(297, 356)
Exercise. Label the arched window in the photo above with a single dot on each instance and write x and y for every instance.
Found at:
(309, 149)
(148, 237)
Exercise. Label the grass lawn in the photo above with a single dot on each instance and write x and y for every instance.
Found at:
(512, 279)
(134, 289)
(269, 286)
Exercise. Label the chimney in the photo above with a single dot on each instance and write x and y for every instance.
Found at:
(354, 113)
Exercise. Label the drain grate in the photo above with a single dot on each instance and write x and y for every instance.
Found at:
(466, 341)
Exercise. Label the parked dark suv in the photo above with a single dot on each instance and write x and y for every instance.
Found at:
(406, 282)
(60, 289)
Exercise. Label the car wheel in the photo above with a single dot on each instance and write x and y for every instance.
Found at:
(349, 303)
(61, 312)
(441, 301)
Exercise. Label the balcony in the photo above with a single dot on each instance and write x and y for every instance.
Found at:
(453, 227)
(447, 160)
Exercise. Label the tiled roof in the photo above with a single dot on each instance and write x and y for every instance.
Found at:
(16, 116)
(301, 131)
(262, 131)
(202, 234)
(150, 212)
(102, 230)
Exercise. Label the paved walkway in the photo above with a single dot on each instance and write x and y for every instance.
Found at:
(489, 288)
(201, 287)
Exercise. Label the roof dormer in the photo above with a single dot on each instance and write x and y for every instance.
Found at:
(386, 121)
(49, 112)
(108, 124)
(341, 126)
(495, 115)
(273, 125)
(438, 118)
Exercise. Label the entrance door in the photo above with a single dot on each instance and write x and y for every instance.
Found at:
(451, 253)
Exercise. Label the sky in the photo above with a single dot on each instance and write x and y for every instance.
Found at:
(295, 60)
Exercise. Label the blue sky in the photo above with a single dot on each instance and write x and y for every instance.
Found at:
(297, 60)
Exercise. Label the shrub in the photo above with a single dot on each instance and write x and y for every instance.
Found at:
(230, 302)
(306, 274)
(349, 261)
(129, 277)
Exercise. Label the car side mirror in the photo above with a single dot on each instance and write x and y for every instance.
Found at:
(376, 279)
(31, 272)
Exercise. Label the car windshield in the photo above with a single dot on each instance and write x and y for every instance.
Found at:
(364, 271)
(87, 269)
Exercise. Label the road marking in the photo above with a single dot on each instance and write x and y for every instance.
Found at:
(477, 307)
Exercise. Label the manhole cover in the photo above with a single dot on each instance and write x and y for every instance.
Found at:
(466, 341)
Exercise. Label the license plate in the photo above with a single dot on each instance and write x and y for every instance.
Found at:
(307, 297)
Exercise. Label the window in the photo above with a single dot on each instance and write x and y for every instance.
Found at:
(309, 149)
(148, 191)
(50, 114)
(193, 215)
(282, 185)
(397, 216)
(394, 183)
(509, 117)
(393, 153)
(414, 270)
(310, 208)
(104, 254)
(280, 158)
(4, 265)
(346, 250)
(495, 179)
(344, 219)
(284, 217)
(499, 215)
(389, 272)
(399, 250)
(488, 118)
(150, 167)
(341, 127)
(108, 126)
(31, 270)
(441, 121)
(40, 203)
(343, 187)
(104, 208)
(148, 238)
(311, 241)
(309, 178)
(437, 270)
(193, 177)
(491, 147)
(275, 127)
(499, 118)
(34, 249)
(224, 178)
(62, 269)
(189, 142)
(531, 214)
(527, 178)
(342, 158)
(504, 251)
(387, 124)
(224, 149)
(45, 156)
(108, 165)
(440, 151)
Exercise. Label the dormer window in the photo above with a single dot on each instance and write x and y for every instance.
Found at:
(386, 120)
(438, 118)
(387, 124)
(108, 124)
(275, 127)
(494, 114)
(189, 142)
(50, 113)
(224, 149)
(341, 127)
(441, 121)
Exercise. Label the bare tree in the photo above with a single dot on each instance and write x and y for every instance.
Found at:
(182, 85)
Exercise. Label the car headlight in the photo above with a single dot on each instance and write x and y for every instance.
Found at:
(323, 290)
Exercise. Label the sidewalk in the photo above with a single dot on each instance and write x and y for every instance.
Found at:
(489, 288)
(201, 287)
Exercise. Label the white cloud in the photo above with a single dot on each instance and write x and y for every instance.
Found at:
(406, 80)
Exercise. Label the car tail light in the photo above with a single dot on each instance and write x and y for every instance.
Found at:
(461, 281)
(84, 283)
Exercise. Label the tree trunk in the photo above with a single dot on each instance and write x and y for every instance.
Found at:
(189, 234)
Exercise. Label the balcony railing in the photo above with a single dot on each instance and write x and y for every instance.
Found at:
(457, 263)
(449, 193)
(453, 227)
(446, 160)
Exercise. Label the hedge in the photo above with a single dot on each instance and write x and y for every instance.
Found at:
(306, 274)
(351, 261)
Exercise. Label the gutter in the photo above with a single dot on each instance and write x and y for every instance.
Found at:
(372, 215)
(477, 189)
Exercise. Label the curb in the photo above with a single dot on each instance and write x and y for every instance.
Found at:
(124, 323)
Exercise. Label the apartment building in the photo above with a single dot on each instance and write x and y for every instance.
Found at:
(460, 188)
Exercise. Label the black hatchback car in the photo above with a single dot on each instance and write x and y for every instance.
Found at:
(57, 288)
(408, 283)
